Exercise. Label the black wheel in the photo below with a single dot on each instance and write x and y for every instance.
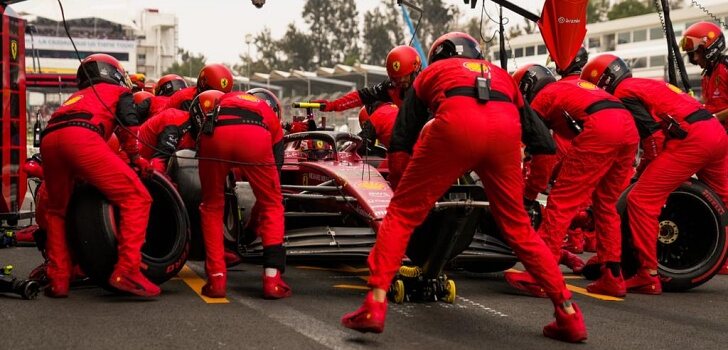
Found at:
(691, 246)
(92, 225)
(231, 223)
(184, 173)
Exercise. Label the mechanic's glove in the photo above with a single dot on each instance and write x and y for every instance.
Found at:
(397, 164)
(145, 168)
(348, 101)
(143, 109)
(529, 203)
(159, 165)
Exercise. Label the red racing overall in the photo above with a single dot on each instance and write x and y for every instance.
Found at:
(247, 131)
(465, 134)
(182, 98)
(167, 131)
(382, 92)
(74, 147)
(597, 165)
(702, 151)
(380, 124)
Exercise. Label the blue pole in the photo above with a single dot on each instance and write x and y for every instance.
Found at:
(416, 41)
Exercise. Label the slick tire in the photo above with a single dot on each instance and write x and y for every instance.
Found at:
(691, 246)
(184, 173)
(92, 225)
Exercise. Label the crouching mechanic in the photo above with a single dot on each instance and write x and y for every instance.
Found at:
(162, 135)
(403, 65)
(476, 129)
(74, 146)
(253, 119)
(687, 140)
(604, 142)
(377, 122)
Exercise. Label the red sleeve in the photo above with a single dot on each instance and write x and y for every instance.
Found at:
(542, 165)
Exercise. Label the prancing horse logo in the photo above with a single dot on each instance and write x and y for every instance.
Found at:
(14, 49)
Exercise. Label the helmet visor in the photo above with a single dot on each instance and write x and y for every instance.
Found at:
(691, 43)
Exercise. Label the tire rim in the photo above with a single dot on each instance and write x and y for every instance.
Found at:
(689, 234)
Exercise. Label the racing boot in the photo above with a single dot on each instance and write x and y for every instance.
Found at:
(369, 317)
(274, 287)
(524, 282)
(575, 241)
(610, 283)
(40, 274)
(133, 282)
(567, 327)
(215, 286)
(590, 241)
(571, 261)
(57, 288)
(644, 283)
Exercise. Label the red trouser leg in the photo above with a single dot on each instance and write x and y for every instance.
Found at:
(593, 154)
(78, 152)
(264, 181)
(702, 151)
(454, 143)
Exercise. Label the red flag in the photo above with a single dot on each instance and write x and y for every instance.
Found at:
(563, 28)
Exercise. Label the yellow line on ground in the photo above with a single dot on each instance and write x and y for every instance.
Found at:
(583, 291)
(345, 268)
(351, 286)
(195, 283)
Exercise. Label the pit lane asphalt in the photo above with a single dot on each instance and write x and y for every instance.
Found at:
(486, 314)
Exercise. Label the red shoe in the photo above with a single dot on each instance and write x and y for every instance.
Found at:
(571, 261)
(369, 317)
(567, 328)
(590, 241)
(575, 241)
(523, 281)
(607, 284)
(40, 273)
(133, 282)
(215, 286)
(724, 269)
(275, 288)
(231, 258)
(644, 283)
(593, 268)
(57, 289)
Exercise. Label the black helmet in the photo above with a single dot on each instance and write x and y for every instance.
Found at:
(454, 44)
(576, 64)
(269, 97)
(101, 68)
(531, 79)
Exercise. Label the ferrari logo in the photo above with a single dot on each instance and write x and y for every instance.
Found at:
(14, 49)
(674, 88)
(396, 65)
(586, 85)
(476, 67)
(224, 83)
(73, 100)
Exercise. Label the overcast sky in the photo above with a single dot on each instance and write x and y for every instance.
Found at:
(216, 28)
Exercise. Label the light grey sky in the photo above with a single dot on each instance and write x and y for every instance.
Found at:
(217, 28)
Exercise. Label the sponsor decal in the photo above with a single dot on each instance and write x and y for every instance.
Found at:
(396, 65)
(224, 83)
(14, 49)
(476, 67)
(674, 88)
(564, 20)
(379, 195)
(586, 85)
(73, 100)
(371, 185)
(248, 97)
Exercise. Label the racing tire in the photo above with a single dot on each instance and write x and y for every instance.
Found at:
(91, 225)
(185, 173)
(231, 218)
(692, 246)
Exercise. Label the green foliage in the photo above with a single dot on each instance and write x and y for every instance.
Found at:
(596, 11)
(334, 28)
(630, 8)
(383, 30)
(189, 64)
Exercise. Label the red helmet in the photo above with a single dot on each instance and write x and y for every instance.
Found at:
(706, 36)
(137, 81)
(454, 44)
(403, 63)
(150, 86)
(270, 98)
(203, 106)
(141, 96)
(606, 71)
(101, 68)
(215, 77)
(168, 84)
(531, 78)
(363, 115)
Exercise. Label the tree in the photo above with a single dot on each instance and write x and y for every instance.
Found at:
(596, 11)
(334, 30)
(382, 31)
(629, 8)
(487, 37)
(189, 64)
(269, 54)
(437, 19)
(297, 48)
